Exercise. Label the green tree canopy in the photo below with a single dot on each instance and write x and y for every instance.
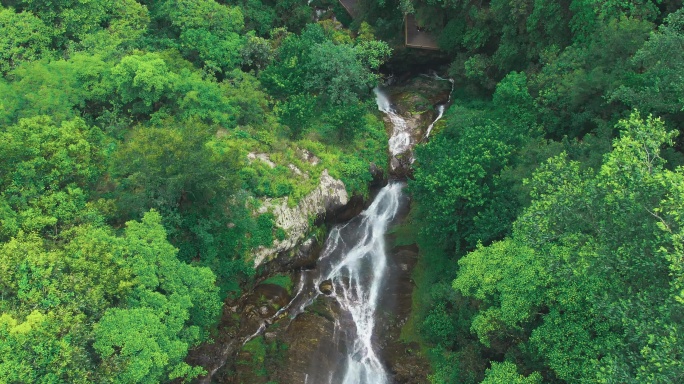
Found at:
(595, 302)
(24, 37)
(47, 174)
(148, 308)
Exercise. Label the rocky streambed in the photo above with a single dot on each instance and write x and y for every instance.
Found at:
(294, 327)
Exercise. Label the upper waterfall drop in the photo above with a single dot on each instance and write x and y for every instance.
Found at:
(382, 100)
(440, 113)
(401, 140)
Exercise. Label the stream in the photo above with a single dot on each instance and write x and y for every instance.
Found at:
(352, 269)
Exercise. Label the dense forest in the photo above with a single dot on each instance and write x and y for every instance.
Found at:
(548, 204)
(125, 188)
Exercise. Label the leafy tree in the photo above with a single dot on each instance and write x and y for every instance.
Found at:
(190, 178)
(171, 166)
(257, 52)
(34, 350)
(656, 86)
(572, 90)
(60, 88)
(167, 308)
(507, 373)
(70, 19)
(286, 76)
(140, 81)
(24, 38)
(457, 179)
(589, 15)
(212, 41)
(197, 98)
(147, 306)
(129, 22)
(313, 74)
(47, 173)
(249, 101)
(260, 16)
(509, 281)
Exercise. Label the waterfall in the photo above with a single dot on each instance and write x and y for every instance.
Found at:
(355, 262)
(440, 113)
(441, 107)
(400, 140)
(353, 272)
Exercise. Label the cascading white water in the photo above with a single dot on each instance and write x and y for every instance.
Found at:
(441, 107)
(354, 260)
(400, 141)
(354, 263)
(356, 270)
(440, 113)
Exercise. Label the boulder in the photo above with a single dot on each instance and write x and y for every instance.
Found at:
(326, 287)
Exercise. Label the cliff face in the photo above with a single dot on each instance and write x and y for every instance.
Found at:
(297, 221)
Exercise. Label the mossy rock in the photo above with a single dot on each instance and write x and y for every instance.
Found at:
(420, 94)
(281, 280)
(320, 307)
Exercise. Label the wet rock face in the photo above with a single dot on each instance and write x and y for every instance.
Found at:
(242, 317)
(402, 165)
(419, 94)
(403, 359)
(379, 179)
(413, 103)
(304, 256)
(265, 301)
(352, 209)
(310, 352)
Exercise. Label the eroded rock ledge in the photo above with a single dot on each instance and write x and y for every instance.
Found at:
(330, 195)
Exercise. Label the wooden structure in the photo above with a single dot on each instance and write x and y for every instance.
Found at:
(350, 7)
(415, 38)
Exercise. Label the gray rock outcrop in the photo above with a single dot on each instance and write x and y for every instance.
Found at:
(330, 195)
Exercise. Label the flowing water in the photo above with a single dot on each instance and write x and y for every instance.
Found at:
(401, 140)
(353, 271)
(354, 263)
(441, 107)
(440, 113)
